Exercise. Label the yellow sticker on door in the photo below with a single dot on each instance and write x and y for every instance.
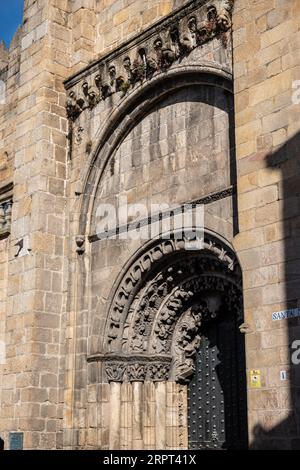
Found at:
(255, 378)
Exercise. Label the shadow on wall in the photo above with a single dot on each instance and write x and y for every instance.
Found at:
(286, 435)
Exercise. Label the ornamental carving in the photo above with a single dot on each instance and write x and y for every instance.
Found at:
(135, 368)
(153, 52)
(145, 302)
(187, 336)
(161, 305)
(186, 342)
(115, 372)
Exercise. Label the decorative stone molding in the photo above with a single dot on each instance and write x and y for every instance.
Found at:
(156, 314)
(210, 198)
(115, 372)
(152, 52)
(134, 368)
(131, 284)
(182, 418)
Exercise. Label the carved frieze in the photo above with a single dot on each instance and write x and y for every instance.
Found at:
(153, 52)
(135, 368)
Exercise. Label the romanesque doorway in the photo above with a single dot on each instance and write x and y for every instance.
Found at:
(174, 343)
(217, 397)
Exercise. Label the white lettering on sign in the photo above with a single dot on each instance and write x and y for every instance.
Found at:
(283, 375)
(285, 314)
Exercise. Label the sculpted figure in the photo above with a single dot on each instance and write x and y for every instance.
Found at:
(165, 56)
(224, 17)
(74, 106)
(187, 341)
(90, 94)
(192, 25)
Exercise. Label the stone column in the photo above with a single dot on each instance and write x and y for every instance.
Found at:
(160, 416)
(182, 430)
(137, 430)
(149, 415)
(115, 415)
(126, 430)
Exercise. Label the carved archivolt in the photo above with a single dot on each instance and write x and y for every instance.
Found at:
(129, 291)
(153, 52)
(156, 314)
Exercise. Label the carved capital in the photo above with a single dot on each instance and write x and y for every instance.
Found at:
(115, 372)
(132, 368)
(158, 372)
(137, 372)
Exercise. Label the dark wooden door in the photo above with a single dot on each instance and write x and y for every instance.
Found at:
(217, 399)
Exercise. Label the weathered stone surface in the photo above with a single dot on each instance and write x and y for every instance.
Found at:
(163, 133)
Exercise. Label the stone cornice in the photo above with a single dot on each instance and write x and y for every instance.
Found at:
(149, 53)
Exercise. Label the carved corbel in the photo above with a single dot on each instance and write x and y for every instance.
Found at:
(112, 72)
(173, 42)
(74, 106)
(104, 89)
(80, 244)
(90, 94)
(182, 42)
(139, 69)
(165, 56)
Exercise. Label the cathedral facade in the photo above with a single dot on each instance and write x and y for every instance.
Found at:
(150, 225)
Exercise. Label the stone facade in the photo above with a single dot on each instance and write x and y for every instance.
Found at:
(159, 102)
